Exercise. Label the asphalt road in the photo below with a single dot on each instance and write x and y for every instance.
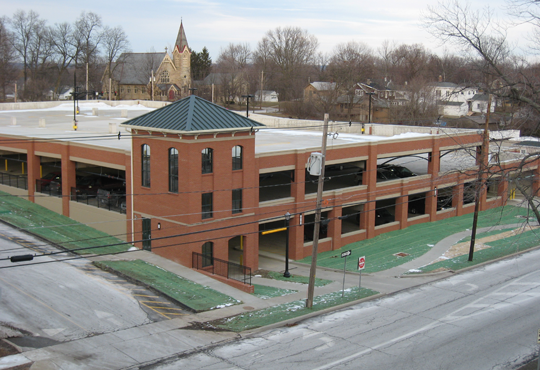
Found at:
(487, 318)
(59, 301)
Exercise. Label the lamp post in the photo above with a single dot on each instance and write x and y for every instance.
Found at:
(247, 107)
(287, 219)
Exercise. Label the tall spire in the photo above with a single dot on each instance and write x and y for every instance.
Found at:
(181, 40)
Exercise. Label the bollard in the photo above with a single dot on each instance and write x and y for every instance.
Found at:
(123, 113)
(112, 128)
(95, 112)
(42, 122)
(13, 121)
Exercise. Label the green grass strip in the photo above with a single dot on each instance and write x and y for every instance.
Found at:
(499, 248)
(195, 296)
(272, 315)
(56, 228)
(267, 292)
(414, 240)
(295, 278)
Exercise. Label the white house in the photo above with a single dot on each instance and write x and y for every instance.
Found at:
(479, 102)
(266, 96)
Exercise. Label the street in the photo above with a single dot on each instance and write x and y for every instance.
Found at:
(62, 301)
(487, 318)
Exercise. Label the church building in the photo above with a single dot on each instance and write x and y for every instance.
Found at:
(150, 76)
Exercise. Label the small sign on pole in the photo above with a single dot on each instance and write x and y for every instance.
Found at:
(361, 266)
(344, 255)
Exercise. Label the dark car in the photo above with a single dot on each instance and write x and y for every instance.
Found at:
(384, 174)
(89, 185)
(45, 181)
(400, 171)
(383, 216)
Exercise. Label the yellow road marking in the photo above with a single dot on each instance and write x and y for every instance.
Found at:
(149, 296)
(157, 302)
(168, 308)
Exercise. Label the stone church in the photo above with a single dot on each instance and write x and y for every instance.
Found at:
(151, 76)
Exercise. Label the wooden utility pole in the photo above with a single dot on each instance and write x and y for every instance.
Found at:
(480, 183)
(317, 226)
(261, 94)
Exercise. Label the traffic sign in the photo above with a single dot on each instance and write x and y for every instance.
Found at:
(361, 262)
(346, 253)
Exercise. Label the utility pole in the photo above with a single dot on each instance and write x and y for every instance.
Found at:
(261, 94)
(369, 109)
(152, 81)
(482, 173)
(87, 81)
(316, 228)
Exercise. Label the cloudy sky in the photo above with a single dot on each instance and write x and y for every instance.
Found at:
(153, 24)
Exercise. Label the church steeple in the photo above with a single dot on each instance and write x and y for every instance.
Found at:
(181, 40)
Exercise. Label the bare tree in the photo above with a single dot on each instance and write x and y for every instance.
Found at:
(61, 40)
(8, 70)
(26, 29)
(232, 64)
(292, 51)
(350, 64)
(114, 44)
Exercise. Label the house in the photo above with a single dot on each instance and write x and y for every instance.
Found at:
(319, 89)
(453, 108)
(269, 96)
(479, 102)
(152, 76)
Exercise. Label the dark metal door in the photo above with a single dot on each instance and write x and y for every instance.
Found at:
(147, 234)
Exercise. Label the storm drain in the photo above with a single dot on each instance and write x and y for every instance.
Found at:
(401, 254)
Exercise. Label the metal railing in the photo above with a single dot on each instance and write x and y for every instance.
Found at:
(110, 201)
(229, 270)
(52, 188)
(16, 181)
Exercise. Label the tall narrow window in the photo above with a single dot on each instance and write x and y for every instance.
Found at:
(164, 77)
(237, 201)
(207, 206)
(208, 254)
(207, 154)
(237, 158)
(173, 170)
(145, 164)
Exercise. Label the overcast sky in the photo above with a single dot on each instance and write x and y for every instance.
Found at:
(153, 24)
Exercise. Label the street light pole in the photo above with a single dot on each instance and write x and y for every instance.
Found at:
(287, 219)
(247, 107)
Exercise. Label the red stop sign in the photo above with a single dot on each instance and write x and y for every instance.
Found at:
(361, 263)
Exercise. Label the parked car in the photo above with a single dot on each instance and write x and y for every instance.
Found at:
(46, 180)
(383, 216)
(89, 185)
(399, 171)
(384, 174)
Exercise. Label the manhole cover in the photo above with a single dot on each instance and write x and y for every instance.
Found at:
(401, 254)
(248, 308)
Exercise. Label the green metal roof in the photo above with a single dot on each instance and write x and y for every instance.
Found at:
(192, 114)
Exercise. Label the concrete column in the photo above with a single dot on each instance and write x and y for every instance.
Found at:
(251, 251)
(402, 211)
(334, 227)
(457, 197)
(68, 179)
(367, 218)
(33, 163)
(296, 231)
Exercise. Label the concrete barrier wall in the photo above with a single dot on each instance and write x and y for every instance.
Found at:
(376, 129)
(112, 223)
(14, 191)
(52, 104)
(51, 203)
